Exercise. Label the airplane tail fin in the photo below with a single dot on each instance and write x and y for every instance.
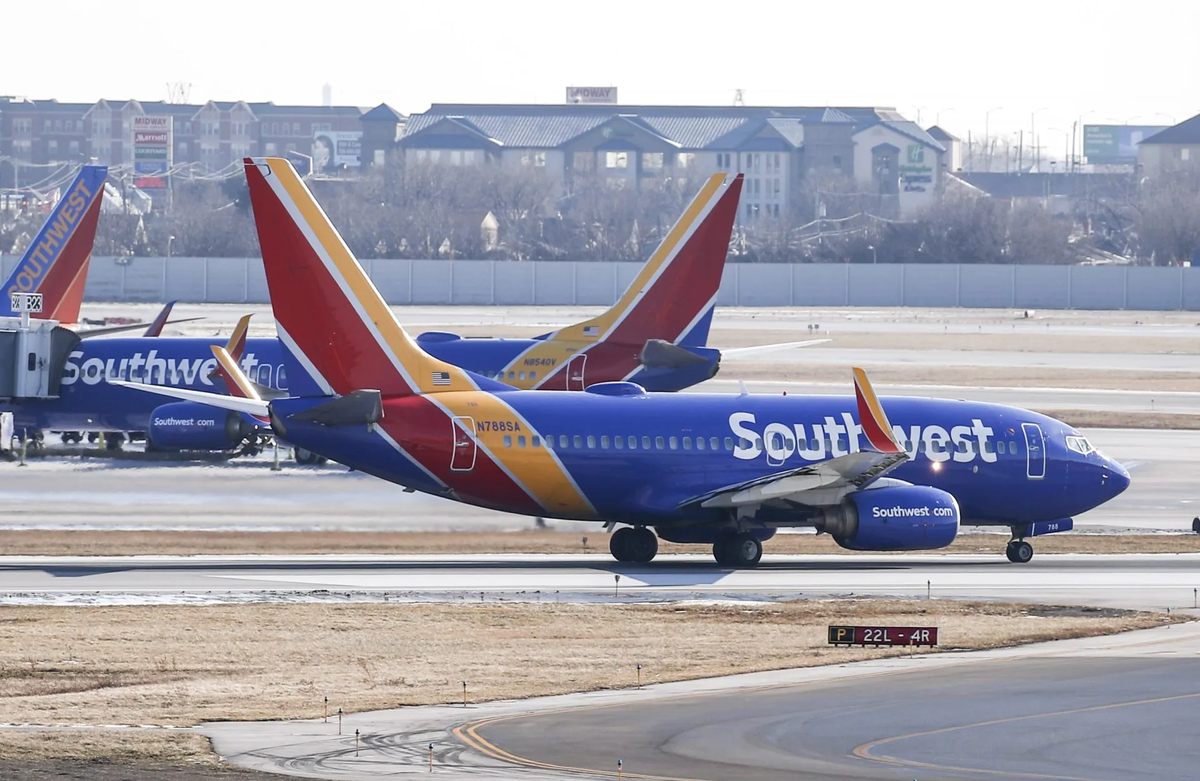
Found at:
(236, 346)
(56, 262)
(673, 296)
(338, 330)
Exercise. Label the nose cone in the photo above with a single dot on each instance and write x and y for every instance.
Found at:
(1114, 478)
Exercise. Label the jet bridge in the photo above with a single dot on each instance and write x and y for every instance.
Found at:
(33, 353)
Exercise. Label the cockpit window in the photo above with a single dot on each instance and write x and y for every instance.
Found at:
(1079, 445)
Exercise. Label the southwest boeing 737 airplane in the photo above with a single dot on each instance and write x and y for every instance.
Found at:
(654, 335)
(722, 470)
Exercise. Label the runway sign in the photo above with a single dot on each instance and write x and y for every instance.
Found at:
(883, 635)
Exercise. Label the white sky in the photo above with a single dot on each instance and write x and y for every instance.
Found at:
(1102, 60)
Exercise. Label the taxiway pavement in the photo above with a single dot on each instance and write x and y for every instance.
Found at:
(1125, 581)
(1103, 709)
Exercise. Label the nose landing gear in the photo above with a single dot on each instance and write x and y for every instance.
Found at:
(1019, 551)
(737, 550)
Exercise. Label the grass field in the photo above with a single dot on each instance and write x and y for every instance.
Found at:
(185, 543)
(177, 665)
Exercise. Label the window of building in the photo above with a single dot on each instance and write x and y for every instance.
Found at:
(723, 160)
(295, 128)
(837, 162)
(57, 125)
(616, 159)
(534, 159)
(271, 148)
(652, 160)
(686, 159)
(1185, 154)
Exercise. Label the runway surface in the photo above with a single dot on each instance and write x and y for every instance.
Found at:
(1126, 581)
(1102, 709)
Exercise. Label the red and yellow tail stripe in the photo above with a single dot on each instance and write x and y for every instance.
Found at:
(871, 416)
(669, 295)
(326, 307)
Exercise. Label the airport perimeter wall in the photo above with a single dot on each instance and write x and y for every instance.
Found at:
(509, 283)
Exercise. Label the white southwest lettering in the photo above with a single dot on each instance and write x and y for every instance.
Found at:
(777, 441)
(148, 368)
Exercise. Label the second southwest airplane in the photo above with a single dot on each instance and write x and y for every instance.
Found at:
(724, 470)
(654, 335)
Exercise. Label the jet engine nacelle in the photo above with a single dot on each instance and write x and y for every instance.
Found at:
(187, 425)
(912, 517)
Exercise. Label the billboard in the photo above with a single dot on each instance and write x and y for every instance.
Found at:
(591, 94)
(1115, 144)
(152, 151)
(334, 149)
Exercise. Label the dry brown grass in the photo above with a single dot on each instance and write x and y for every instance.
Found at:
(183, 543)
(177, 665)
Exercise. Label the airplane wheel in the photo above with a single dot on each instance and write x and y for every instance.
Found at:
(71, 437)
(114, 441)
(737, 550)
(1019, 552)
(621, 544)
(642, 546)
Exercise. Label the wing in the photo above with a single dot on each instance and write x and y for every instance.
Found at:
(760, 349)
(825, 482)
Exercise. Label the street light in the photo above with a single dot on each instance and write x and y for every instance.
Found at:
(987, 135)
(874, 257)
(1033, 134)
(169, 240)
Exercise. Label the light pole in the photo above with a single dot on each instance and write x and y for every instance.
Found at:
(874, 256)
(937, 118)
(987, 135)
(169, 240)
(1033, 135)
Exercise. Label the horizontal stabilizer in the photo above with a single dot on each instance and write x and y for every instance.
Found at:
(256, 407)
(658, 352)
(759, 349)
(359, 408)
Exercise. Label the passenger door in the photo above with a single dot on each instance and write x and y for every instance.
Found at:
(1035, 449)
(462, 458)
(575, 367)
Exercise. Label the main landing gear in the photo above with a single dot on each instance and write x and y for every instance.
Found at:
(1019, 551)
(637, 544)
(737, 550)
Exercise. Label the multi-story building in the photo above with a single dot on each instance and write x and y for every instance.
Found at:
(1173, 149)
(892, 160)
(38, 134)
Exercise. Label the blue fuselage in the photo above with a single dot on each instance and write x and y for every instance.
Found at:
(88, 403)
(639, 459)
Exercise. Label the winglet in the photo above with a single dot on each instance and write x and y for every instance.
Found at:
(871, 416)
(156, 326)
(235, 379)
(236, 346)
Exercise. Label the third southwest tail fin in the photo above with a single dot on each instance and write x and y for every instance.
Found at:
(56, 262)
(673, 295)
(336, 327)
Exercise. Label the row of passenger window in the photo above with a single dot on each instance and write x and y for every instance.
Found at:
(604, 442)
